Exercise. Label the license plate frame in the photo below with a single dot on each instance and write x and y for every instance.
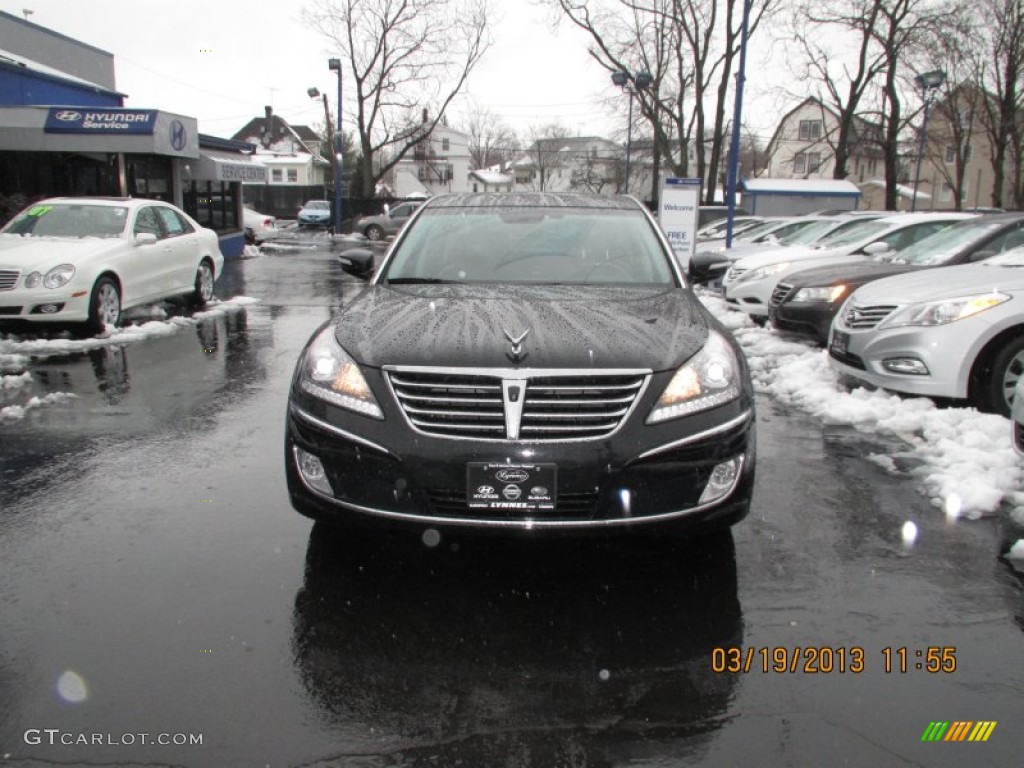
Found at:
(511, 487)
(840, 343)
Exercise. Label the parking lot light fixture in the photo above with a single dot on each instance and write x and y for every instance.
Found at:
(929, 83)
(335, 66)
(632, 85)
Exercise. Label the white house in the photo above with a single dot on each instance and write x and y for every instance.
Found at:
(290, 152)
(578, 164)
(440, 163)
(491, 181)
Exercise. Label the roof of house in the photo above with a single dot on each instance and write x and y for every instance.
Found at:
(273, 133)
(833, 187)
(863, 130)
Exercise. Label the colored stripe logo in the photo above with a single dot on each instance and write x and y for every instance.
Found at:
(959, 730)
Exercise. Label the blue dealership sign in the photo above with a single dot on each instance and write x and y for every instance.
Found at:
(105, 121)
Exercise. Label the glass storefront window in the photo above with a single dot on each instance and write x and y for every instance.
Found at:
(214, 204)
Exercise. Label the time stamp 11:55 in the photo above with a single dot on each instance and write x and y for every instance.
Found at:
(827, 659)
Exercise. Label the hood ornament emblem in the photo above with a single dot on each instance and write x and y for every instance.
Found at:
(517, 353)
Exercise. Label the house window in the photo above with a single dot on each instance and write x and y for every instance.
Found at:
(810, 130)
(800, 163)
(946, 195)
(950, 154)
(449, 172)
(474, 187)
(446, 145)
(967, 153)
(813, 161)
(293, 175)
(421, 173)
(275, 174)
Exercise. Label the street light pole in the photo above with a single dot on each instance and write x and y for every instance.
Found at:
(737, 116)
(336, 141)
(632, 85)
(929, 83)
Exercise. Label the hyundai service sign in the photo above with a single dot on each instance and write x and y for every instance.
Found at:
(106, 121)
(678, 211)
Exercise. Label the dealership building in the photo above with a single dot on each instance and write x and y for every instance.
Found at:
(64, 130)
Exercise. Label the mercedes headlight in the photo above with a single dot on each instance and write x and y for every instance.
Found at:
(829, 293)
(327, 372)
(945, 311)
(710, 378)
(57, 277)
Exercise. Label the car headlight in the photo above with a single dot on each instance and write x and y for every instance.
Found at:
(327, 372)
(762, 272)
(57, 277)
(710, 378)
(829, 293)
(945, 311)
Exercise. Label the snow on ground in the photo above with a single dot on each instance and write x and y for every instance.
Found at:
(16, 349)
(963, 460)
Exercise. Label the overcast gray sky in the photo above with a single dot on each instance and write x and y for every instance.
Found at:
(221, 61)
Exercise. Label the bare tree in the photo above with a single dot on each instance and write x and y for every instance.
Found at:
(491, 141)
(689, 47)
(544, 153)
(835, 41)
(405, 58)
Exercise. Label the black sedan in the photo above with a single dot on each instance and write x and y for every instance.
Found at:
(805, 302)
(523, 362)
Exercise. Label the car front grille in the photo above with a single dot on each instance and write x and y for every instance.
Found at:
(867, 317)
(8, 279)
(781, 293)
(485, 405)
(854, 361)
(10, 310)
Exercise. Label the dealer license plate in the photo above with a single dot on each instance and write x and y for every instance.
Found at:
(840, 342)
(511, 486)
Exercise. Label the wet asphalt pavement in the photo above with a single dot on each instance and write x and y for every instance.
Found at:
(155, 585)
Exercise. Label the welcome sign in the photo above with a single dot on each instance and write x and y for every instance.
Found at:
(678, 211)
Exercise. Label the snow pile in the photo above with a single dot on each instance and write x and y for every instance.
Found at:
(16, 412)
(963, 459)
(8, 383)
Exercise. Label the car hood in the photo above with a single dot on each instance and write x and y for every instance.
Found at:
(855, 272)
(941, 283)
(27, 253)
(567, 326)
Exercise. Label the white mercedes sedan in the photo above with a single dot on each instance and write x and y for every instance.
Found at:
(84, 260)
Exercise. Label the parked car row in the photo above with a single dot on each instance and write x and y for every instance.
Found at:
(922, 304)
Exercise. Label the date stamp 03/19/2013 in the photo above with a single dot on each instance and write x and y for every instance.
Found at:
(828, 659)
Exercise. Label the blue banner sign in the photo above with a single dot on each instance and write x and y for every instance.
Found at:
(106, 121)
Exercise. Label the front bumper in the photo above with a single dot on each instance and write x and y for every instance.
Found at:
(811, 318)
(750, 296)
(946, 351)
(22, 304)
(384, 472)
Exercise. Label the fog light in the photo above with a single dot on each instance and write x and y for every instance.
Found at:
(723, 479)
(906, 365)
(49, 309)
(312, 471)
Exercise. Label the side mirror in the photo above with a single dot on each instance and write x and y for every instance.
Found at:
(875, 248)
(357, 261)
(145, 238)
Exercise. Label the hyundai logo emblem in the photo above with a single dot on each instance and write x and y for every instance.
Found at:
(178, 136)
(67, 115)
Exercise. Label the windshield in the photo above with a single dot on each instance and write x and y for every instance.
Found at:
(807, 234)
(69, 220)
(944, 245)
(757, 230)
(319, 205)
(530, 245)
(852, 234)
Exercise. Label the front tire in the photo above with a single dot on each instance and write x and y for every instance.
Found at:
(373, 232)
(995, 387)
(203, 291)
(104, 306)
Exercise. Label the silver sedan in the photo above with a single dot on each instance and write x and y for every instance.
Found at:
(952, 332)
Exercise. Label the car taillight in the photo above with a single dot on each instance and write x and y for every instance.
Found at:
(268, 223)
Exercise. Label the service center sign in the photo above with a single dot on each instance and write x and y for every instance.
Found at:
(105, 121)
(678, 211)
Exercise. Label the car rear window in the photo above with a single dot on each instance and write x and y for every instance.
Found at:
(529, 245)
